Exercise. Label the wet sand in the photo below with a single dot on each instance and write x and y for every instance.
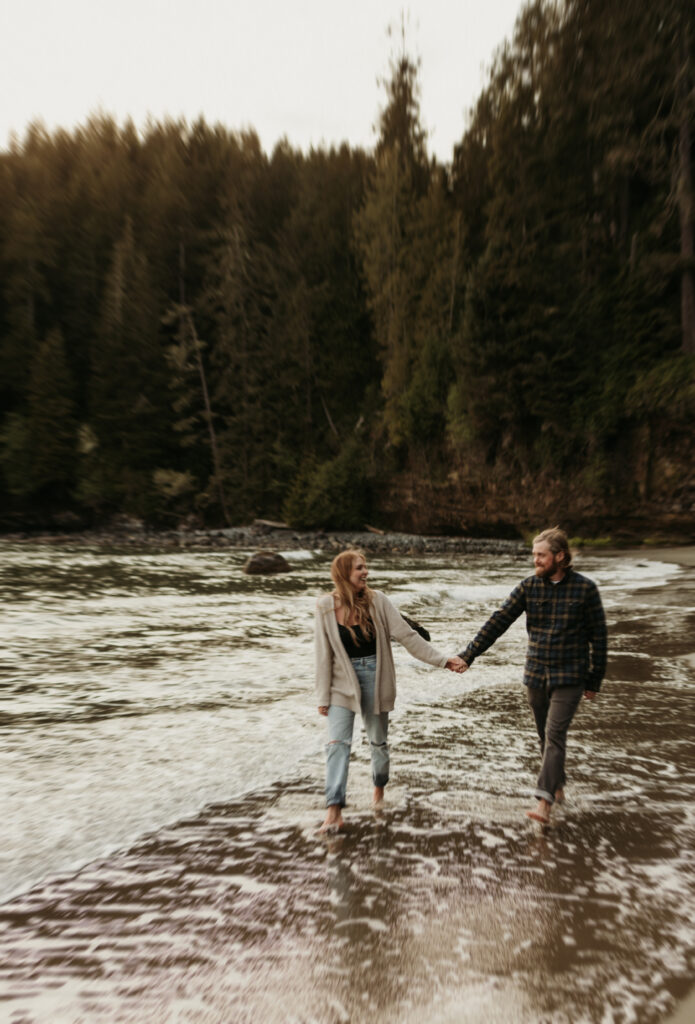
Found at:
(685, 556)
(678, 555)
(447, 906)
(685, 1012)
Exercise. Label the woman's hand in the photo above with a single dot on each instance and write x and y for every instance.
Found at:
(323, 710)
(456, 664)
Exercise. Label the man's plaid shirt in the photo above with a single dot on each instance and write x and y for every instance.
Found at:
(566, 628)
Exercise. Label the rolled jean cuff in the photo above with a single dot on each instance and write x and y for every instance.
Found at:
(542, 794)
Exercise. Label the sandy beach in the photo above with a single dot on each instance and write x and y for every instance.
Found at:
(181, 876)
(685, 1013)
(679, 555)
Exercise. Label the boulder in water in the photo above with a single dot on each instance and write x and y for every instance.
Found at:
(265, 563)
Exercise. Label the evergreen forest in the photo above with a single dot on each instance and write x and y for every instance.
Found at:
(195, 331)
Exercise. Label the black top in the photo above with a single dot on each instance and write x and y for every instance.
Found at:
(364, 646)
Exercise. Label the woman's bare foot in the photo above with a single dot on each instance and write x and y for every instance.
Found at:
(559, 796)
(541, 812)
(378, 796)
(333, 820)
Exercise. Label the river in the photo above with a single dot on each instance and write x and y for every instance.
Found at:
(161, 771)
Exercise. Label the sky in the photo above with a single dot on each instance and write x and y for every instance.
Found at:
(305, 70)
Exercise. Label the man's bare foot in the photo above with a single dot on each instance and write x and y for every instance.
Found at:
(559, 796)
(541, 812)
(333, 820)
(378, 796)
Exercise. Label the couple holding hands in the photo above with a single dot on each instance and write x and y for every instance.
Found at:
(565, 662)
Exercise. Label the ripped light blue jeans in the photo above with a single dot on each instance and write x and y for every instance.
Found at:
(340, 725)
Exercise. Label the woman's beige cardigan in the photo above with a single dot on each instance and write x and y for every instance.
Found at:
(336, 682)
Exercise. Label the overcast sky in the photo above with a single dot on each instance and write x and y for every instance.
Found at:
(304, 69)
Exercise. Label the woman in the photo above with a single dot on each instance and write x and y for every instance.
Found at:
(355, 672)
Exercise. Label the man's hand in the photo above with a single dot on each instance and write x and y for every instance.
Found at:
(323, 710)
(590, 694)
(456, 664)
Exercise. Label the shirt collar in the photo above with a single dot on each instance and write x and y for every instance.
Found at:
(549, 583)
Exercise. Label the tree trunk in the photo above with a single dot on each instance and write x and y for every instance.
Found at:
(217, 469)
(208, 416)
(454, 272)
(685, 206)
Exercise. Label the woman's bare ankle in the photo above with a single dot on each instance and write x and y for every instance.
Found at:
(333, 819)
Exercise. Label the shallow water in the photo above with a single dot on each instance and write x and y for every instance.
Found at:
(161, 771)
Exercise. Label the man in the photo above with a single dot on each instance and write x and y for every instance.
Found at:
(566, 655)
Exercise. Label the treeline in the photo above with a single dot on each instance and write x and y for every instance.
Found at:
(189, 325)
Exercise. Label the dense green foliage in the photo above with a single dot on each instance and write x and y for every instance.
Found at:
(190, 325)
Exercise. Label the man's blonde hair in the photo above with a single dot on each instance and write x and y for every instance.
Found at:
(557, 541)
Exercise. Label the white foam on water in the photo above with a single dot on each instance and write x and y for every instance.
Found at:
(300, 555)
(151, 686)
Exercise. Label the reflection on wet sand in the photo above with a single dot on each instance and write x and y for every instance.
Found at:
(445, 906)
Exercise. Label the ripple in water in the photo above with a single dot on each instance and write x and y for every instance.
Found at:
(162, 787)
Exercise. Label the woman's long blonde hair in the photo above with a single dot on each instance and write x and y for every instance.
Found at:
(357, 606)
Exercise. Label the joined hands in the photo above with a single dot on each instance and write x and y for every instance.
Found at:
(456, 664)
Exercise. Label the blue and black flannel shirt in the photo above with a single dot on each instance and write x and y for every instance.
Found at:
(566, 627)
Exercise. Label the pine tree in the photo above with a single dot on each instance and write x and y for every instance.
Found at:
(244, 390)
(128, 398)
(52, 422)
(407, 235)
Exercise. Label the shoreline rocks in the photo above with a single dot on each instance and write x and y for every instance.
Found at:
(275, 539)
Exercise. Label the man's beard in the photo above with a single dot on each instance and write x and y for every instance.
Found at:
(545, 574)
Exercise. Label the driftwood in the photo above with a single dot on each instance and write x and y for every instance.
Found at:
(270, 524)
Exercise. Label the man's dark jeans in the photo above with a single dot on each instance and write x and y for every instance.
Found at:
(553, 711)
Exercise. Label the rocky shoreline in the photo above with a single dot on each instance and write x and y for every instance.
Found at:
(272, 537)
